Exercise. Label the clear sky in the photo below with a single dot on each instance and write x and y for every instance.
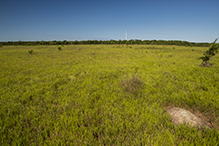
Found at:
(48, 20)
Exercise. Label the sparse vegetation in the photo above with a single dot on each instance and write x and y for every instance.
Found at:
(109, 96)
(30, 51)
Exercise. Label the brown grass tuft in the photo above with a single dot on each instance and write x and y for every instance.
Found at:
(132, 85)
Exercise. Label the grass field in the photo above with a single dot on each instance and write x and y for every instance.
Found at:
(106, 95)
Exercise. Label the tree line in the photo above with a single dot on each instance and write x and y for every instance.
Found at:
(126, 42)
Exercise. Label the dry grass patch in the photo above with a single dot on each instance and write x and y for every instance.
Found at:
(133, 85)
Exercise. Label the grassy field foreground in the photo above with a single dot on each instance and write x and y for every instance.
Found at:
(106, 95)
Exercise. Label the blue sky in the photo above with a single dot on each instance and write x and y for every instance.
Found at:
(36, 20)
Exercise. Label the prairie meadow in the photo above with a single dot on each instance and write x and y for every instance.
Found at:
(106, 95)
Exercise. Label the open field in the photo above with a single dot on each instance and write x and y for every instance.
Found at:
(106, 95)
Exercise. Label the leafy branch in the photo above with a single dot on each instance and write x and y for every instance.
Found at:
(213, 49)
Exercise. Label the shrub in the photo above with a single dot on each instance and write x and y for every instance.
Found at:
(209, 53)
(59, 48)
(1, 45)
(30, 52)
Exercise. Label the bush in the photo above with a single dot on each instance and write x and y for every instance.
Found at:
(30, 52)
(209, 53)
(1, 45)
(59, 48)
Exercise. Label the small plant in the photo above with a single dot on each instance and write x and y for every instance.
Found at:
(30, 52)
(60, 48)
(1, 45)
(209, 53)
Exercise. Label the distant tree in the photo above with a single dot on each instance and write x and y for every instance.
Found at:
(76, 42)
(136, 41)
(64, 42)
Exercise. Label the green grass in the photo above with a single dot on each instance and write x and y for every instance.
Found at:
(106, 95)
